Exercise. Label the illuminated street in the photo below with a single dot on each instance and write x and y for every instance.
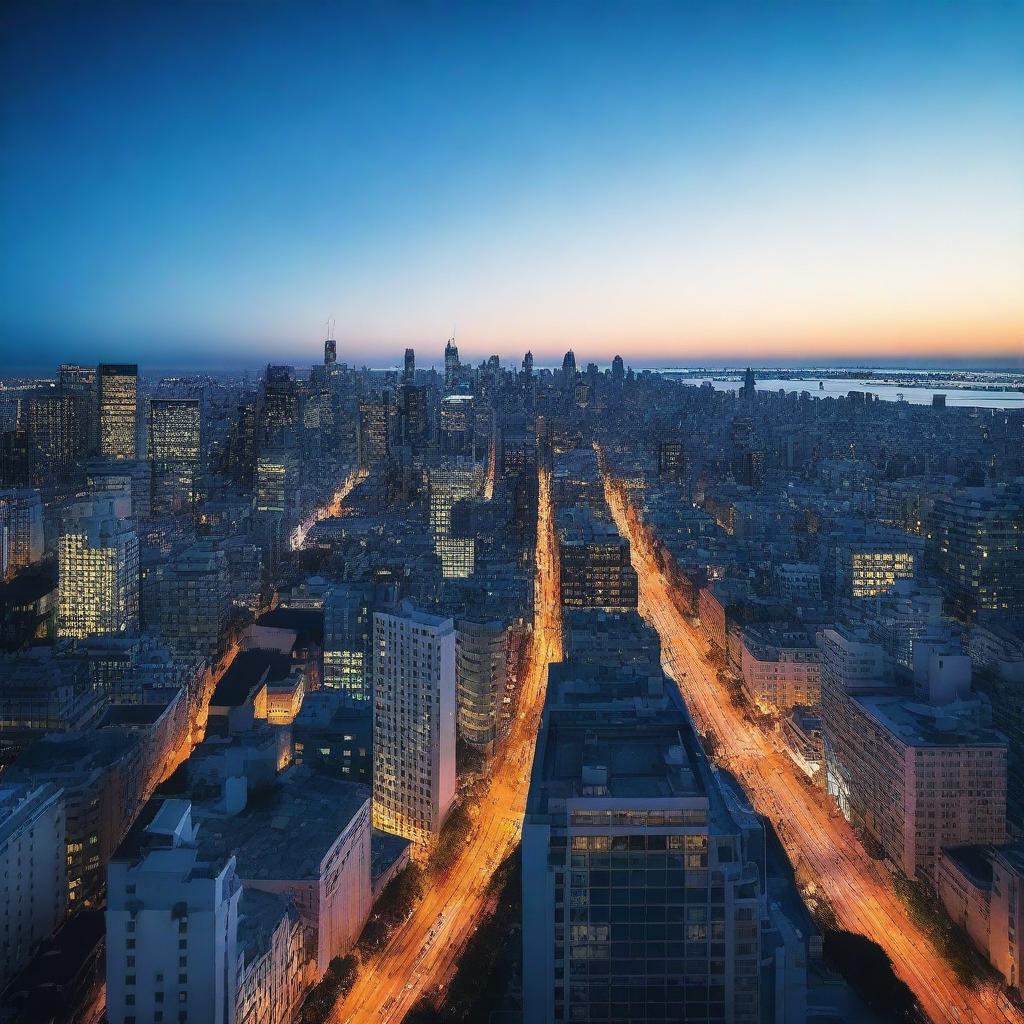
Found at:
(423, 953)
(332, 508)
(819, 842)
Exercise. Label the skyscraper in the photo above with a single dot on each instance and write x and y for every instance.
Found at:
(118, 398)
(174, 449)
(413, 722)
(409, 369)
(451, 364)
(21, 528)
(330, 352)
(98, 570)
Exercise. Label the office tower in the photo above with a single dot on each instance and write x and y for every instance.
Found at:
(243, 440)
(330, 352)
(413, 419)
(377, 427)
(457, 422)
(569, 369)
(595, 568)
(81, 381)
(277, 478)
(576, 480)
(866, 567)
(132, 478)
(56, 424)
(172, 925)
(451, 364)
(748, 390)
(118, 391)
(98, 570)
(671, 462)
(528, 365)
(481, 656)
(21, 527)
(641, 894)
(450, 482)
(980, 548)
(193, 600)
(280, 402)
(409, 367)
(174, 450)
(348, 632)
(413, 722)
(33, 854)
(618, 372)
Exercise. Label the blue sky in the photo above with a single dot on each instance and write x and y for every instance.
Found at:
(207, 183)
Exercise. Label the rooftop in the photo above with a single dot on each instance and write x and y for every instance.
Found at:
(286, 833)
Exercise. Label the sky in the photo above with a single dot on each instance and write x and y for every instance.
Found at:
(206, 184)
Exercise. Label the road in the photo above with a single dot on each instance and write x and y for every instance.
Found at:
(818, 840)
(423, 953)
(332, 508)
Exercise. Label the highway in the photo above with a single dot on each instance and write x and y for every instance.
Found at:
(422, 955)
(819, 842)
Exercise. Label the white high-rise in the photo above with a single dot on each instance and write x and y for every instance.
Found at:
(172, 926)
(413, 722)
(98, 571)
(33, 890)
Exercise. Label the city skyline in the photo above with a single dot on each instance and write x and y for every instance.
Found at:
(812, 184)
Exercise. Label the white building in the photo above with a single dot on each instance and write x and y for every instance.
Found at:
(98, 571)
(308, 840)
(413, 722)
(32, 857)
(172, 926)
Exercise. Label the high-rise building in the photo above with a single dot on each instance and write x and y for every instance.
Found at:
(748, 391)
(330, 352)
(450, 482)
(348, 634)
(172, 925)
(174, 450)
(641, 891)
(481, 658)
(21, 529)
(193, 600)
(980, 548)
(280, 402)
(594, 562)
(81, 381)
(33, 855)
(277, 477)
(56, 423)
(569, 369)
(451, 364)
(377, 427)
(409, 367)
(414, 708)
(528, 365)
(98, 570)
(118, 390)
(457, 423)
(413, 418)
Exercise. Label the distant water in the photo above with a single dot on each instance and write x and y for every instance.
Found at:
(833, 387)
